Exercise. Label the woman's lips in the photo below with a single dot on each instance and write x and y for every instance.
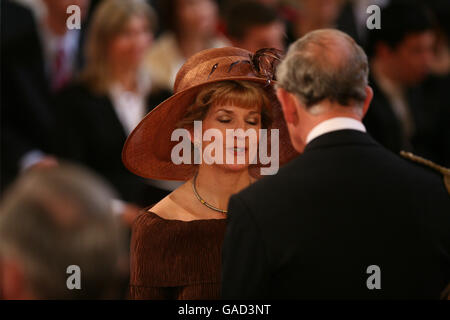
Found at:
(237, 150)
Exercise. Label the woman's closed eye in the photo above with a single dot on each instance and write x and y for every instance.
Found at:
(224, 119)
(253, 121)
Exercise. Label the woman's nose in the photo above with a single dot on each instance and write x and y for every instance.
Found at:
(241, 124)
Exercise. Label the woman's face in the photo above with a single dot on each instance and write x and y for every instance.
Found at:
(128, 48)
(223, 117)
(196, 16)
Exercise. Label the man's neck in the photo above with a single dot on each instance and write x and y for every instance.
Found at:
(335, 124)
(326, 111)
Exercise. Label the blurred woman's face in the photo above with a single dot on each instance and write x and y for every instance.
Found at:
(322, 11)
(128, 48)
(196, 16)
(223, 117)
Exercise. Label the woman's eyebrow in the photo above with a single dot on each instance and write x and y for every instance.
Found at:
(232, 112)
(225, 110)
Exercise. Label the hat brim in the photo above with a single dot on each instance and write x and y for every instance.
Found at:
(147, 150)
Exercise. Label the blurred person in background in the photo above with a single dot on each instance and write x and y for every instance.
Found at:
(39, 55)
(61, 46)
(190, 26)
(263, 28)
(437, 84)
(96, 113)
(313, 15)
(353, 18)
(401, 53)
(441, 11)
(54, 218)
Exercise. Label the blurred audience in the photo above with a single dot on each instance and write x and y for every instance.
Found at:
(191, 26)
(401, 55)
(313, 15)
(95, 114)
(61, 47)
(263, 28)
(54, 218)
(441, 63)
(39, 55)
(437, 85)
(353, 17)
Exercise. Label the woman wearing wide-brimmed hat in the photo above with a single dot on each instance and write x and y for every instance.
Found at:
(176, 244)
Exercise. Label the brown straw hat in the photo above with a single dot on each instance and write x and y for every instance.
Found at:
(147, 151)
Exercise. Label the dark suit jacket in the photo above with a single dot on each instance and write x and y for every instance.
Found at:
(346, 203)
(25, 111)
(384, 126)
(27, 119)
(436, 95)
(88, 131)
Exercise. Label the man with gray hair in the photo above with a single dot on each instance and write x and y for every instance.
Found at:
(347, 219)
(59, 238)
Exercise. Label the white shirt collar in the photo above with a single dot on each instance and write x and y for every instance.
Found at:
(334, 124)
(129, 106)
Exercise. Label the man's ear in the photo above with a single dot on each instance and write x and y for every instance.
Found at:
(289, 105)
(369, 96)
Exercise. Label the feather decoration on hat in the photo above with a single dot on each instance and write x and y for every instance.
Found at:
(264, 62)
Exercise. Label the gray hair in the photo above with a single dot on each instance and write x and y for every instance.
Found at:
(53, 218)
(325, 64)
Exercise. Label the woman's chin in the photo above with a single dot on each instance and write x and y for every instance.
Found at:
(234, 167)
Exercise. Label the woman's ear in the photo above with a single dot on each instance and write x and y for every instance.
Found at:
(289, 105)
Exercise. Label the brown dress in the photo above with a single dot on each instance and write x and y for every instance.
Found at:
(173, 259)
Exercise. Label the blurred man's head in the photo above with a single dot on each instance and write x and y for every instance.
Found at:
(52, 219)
(189, 18)
(324, 75)
(57, 12)
(252, 25)
(441, 11)
(321, 12)
(59, 7)
(404, 44)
